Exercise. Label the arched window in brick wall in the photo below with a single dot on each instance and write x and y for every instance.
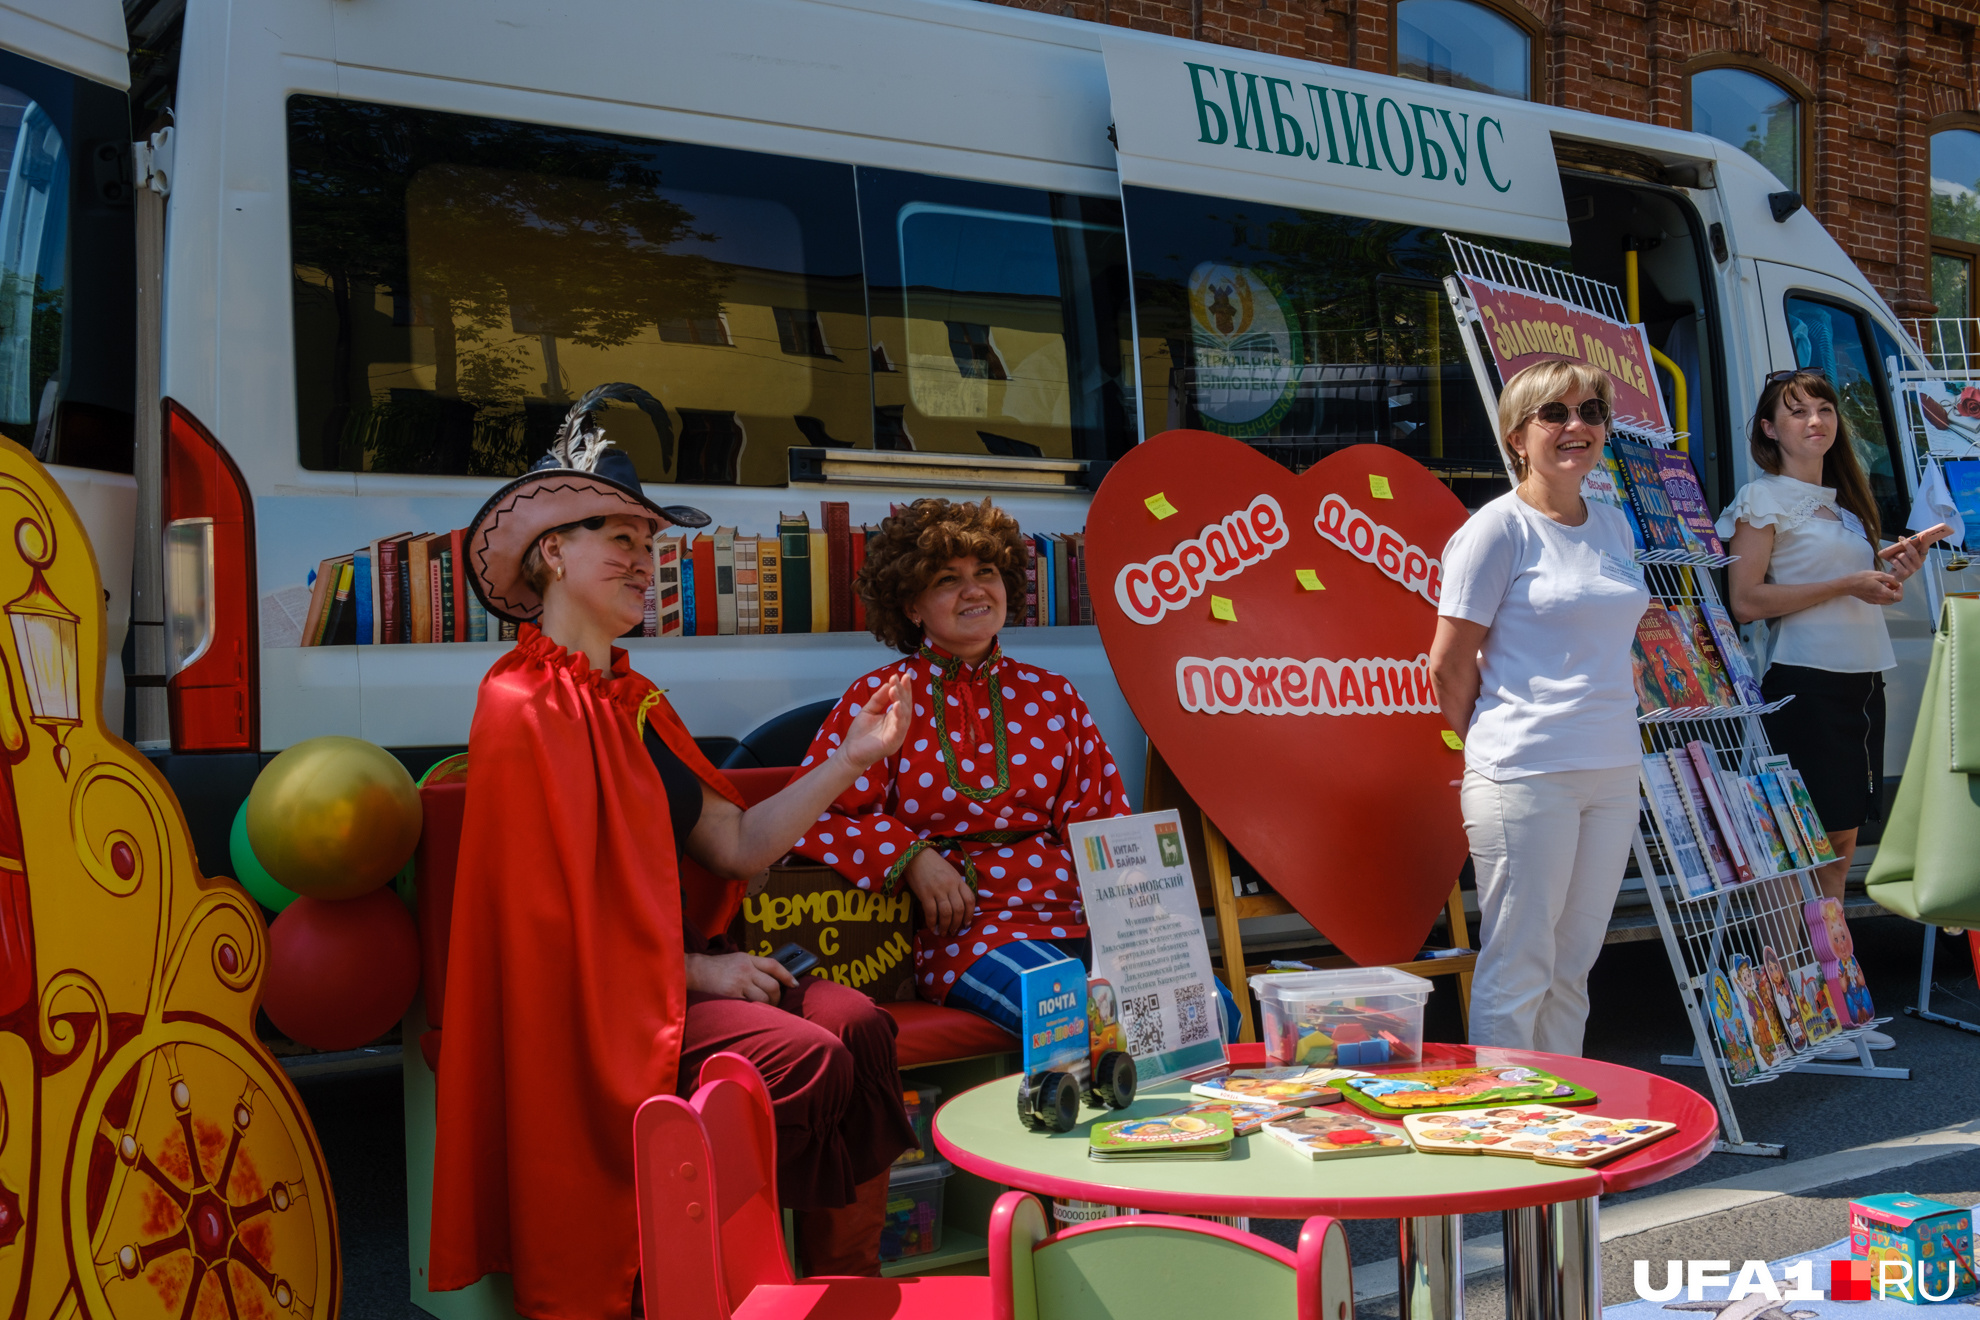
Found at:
(1755, 114)
(1956, 221)
(1460, 43)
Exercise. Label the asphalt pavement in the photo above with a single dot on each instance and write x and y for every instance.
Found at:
(1636, 1017)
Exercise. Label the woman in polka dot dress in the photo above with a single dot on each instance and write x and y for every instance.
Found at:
(1000, 758)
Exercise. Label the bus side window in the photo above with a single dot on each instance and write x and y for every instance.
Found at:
(1837, 340)
(67, 267)
(459, 281)
(1000, 318)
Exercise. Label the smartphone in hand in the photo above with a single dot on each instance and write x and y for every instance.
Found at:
(796, 959)
(1924, 539)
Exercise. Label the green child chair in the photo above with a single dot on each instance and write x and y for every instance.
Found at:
(1161, 1267)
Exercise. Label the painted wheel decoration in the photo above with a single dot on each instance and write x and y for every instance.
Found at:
(200, 1198)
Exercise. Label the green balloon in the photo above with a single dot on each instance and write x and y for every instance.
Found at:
(248, 868)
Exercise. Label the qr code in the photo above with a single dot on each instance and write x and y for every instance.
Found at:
(1192, 1014)
(1143, 1019)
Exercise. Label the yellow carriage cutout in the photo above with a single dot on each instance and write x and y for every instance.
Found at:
(154, 1159)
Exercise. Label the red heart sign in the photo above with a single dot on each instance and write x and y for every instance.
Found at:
(1272, 634)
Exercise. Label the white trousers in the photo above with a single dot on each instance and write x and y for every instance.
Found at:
(1549, 853)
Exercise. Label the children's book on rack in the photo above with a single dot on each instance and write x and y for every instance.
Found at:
(1321, 1135)
(1718, 828)
(1659, 491)
(1391, 1094)
(718, 581)
(1545, 1134)
(1686, 655)
(1764, 1014)
(1841, 975)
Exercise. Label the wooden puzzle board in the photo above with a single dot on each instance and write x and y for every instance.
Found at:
(1544, 1133)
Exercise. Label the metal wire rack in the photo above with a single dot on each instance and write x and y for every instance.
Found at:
(1719, 930)
(1748, 929)
(1950, 344)
(1483, 263)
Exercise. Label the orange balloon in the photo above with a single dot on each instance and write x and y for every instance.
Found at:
(341, 973)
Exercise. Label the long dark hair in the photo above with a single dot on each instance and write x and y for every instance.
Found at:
(1839, 466)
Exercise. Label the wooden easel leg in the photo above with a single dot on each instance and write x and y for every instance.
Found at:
(1461, 939)
(1218, 855)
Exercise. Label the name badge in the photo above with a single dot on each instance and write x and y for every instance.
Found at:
(1626, 571)
(1851, 523)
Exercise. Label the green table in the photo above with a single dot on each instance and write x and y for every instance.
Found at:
(1553, 1262)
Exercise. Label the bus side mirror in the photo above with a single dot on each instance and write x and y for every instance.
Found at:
(1783, 204)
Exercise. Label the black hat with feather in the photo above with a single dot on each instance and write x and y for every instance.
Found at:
(583, 476)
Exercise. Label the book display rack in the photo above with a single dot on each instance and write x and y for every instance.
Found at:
(1731, 890)
(1727, 844)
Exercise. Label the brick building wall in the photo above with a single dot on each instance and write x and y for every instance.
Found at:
(1875, 80)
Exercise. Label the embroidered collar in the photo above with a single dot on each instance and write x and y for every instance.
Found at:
(950, 667)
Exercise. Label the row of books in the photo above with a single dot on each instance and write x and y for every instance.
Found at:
(1720, 829)
(800, 581)
(1659, 493)
(718, 582)
(1686, 654)
(401, 588)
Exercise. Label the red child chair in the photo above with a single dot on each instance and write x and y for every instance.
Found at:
(711, 1234)
(1162, 1267)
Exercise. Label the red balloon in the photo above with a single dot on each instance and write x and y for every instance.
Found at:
(341, 972)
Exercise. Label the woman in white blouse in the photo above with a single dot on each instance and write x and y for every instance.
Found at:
(1806, 533)
(1531, 664)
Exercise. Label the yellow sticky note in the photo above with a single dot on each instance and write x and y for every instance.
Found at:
(1379, 487)
(1158, 504)
(1452, 741)
(1220, 608)
(1309, 579)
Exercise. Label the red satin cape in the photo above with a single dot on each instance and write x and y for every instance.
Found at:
(566, 986)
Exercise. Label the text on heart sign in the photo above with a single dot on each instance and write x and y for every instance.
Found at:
(1150, 589)
(1372, 543)
(1283, 685)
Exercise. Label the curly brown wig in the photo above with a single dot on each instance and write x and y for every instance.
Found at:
(915, 543)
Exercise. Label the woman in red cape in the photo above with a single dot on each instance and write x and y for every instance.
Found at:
(581, 979)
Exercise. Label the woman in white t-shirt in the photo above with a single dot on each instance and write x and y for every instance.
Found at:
(1531, 664)
(1806, 533)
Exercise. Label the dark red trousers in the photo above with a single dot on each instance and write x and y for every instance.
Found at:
(827, 1054)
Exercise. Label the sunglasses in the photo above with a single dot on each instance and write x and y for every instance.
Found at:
(1776, 377)
(1555, 413)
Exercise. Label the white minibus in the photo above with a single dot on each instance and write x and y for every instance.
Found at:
(857, 251)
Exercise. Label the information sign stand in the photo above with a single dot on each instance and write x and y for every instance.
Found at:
(1210, 863)
(1706, 935)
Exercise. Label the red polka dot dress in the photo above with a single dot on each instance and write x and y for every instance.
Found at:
(1000, 758)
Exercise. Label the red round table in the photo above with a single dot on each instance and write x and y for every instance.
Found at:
(1552, 1244)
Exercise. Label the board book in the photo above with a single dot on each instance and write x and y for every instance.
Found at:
(1291, 1085)
(1163, 1137)
(1246, 1117)
(1459, 1088)
(1333, 1136)
(1545, 1134)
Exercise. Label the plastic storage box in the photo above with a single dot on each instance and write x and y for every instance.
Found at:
(1350, 1017)
(921, 1100)
(914, 1210)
